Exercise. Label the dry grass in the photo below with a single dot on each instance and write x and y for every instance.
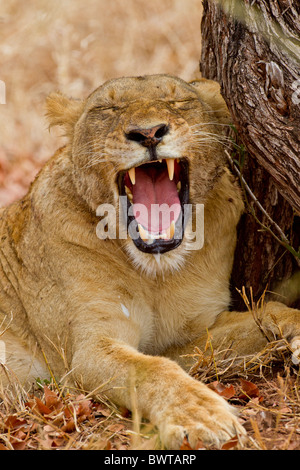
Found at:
(74, 46)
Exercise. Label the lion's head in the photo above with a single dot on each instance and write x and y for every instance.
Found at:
(155, 140)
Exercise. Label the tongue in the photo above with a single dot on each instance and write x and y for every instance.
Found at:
(155, 200)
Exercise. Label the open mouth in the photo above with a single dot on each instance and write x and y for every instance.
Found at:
(156, 193)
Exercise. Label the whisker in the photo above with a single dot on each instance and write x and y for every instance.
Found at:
(213, 111)
(94, 162)
(210, 135)
(202, 132)
(92, 145)
(211, 123)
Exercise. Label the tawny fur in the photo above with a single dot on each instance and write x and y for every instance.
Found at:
(102, 312)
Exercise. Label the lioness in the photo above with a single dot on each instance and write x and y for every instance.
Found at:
(115, 312)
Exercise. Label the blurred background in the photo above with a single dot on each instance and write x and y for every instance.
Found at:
(73, 46)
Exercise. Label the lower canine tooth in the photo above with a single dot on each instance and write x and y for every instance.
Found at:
(145, 235)
(129, 194)
(171, 230)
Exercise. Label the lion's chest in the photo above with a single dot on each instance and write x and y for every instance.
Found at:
(169, 317)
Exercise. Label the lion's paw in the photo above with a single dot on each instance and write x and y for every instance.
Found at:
(282, 322)
(207, 418)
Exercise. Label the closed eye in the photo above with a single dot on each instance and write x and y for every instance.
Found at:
(103, 108)
(183, 104)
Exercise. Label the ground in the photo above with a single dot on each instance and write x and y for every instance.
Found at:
(73, 47)
(52, 417)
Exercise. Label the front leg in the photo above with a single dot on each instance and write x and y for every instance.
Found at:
(246, 333)
(250, 331)
(172, 400)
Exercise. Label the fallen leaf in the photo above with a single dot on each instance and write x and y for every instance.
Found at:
(42, 408)
(230, 444)
(108, 446)
(199, 445)
(265, 419)
(68, 413)
(116, 427)
(125, 412)
(84, 408)
(226, 391)
(185, 444)
(69, 426)
(101, 409)
(49, 429)
(19, 445)
(58, 442)
(250, 390)
(12, 422)
(285, 409)
(20, 435)
(51, 399)
(249, 412)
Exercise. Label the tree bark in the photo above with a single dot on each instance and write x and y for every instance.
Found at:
(252, 48)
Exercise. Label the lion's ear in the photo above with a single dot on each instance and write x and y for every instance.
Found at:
(209, 92)
(63, 111)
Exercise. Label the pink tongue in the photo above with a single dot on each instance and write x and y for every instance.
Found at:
(155, 200)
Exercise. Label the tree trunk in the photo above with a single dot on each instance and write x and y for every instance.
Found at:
(252, 48)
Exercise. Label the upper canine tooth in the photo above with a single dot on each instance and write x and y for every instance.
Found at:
(170, 165)
(131, 173)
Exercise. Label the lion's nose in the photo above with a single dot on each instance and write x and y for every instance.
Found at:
(148, 137)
